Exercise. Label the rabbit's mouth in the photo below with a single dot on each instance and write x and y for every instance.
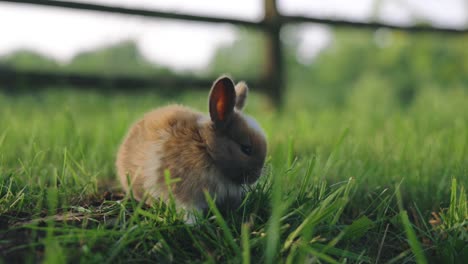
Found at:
(252, 176)
(244, 177)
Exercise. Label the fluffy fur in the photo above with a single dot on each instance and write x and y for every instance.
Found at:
(218, 153)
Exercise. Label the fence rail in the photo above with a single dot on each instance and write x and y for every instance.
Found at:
(283, 19)
(12, 77)
(273, 78)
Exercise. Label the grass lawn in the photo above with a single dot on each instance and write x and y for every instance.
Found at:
(367, 181)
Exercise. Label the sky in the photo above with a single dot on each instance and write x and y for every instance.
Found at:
(62, 33)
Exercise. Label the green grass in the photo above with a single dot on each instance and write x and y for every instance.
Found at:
(369, 181)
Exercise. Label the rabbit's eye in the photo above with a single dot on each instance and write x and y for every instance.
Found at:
(246, 149)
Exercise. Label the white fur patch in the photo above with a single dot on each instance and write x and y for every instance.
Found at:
(152, 166)
(252, 123)
(223, 188)
(203, 120)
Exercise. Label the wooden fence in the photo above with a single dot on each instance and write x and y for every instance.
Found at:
(273, 78)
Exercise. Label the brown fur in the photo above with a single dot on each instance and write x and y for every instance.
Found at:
(200, 153)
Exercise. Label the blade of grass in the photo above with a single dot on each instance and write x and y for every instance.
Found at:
(327, 208)
(220, 220)
(318, 254)
(340, 252)
(413, 241)
(245, 243)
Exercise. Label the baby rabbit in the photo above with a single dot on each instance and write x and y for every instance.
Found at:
(218, 153)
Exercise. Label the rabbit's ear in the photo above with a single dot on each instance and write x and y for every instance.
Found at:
(222, 101)
(242, 91)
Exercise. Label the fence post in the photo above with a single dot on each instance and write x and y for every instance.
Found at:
(274, 71)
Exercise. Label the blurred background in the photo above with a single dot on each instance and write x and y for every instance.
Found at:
(325, 58)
